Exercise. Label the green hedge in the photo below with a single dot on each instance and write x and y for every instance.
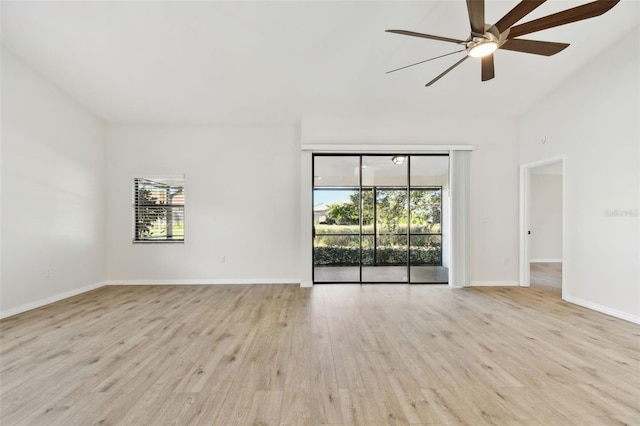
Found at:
(336, 256)
(350, 256)
(431, 242)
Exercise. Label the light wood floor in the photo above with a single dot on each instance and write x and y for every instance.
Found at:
(385, 274)
(334, 354)
(546, 273)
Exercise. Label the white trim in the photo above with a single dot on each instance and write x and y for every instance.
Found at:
(306, 218)
(394, 149)
(48, 300)
(603, 309)
(495, 284)
(524, 263)
(545, 260)
(524, 271)
(544, 162)
(306, 284)
(206, 281)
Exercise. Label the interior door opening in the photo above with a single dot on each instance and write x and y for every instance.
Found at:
(544, 216)
(380, 218)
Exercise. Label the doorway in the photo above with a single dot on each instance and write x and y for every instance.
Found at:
(542, 223)
(380, 218)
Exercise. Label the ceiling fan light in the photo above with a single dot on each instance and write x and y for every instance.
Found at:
(483, 49)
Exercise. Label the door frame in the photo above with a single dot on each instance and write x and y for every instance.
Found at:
(525, 194)
(459, 245)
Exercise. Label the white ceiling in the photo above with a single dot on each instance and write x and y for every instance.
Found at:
(265, 61)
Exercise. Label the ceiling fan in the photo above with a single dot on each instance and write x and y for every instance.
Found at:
(486, 39)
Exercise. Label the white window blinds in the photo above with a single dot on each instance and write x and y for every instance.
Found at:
(158, 208)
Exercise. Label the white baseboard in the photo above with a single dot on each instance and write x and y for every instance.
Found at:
(495, 284)
(545, 260)
(46, 301)
(206, 281)
(603, 309)
(306, 284)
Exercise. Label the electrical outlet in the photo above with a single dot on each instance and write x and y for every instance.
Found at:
(47, 273)
(223, 259)
(505, 260)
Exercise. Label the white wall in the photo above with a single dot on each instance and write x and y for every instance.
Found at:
(593, 120)
(52, 192)
(494, 174)
(242, 199)
(545, 217)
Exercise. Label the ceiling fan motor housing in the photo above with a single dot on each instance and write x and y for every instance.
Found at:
(478, 46)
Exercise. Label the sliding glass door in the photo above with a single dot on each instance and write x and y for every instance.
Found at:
(379, 218)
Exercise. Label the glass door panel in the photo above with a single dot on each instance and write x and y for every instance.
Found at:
(429, 180)
(384, 180)
(336, 219)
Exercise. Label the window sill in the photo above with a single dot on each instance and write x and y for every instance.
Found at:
(159, 242)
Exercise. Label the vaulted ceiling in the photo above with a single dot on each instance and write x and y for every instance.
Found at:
(266, 61)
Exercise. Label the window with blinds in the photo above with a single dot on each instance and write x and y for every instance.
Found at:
(158, 208)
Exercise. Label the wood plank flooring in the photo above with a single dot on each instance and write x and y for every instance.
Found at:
(546, 273)
(330, 355)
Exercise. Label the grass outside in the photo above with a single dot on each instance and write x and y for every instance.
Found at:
(323, 229)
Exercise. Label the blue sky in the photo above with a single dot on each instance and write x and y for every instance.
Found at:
(326, 196)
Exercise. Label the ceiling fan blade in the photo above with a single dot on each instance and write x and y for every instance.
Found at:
(536, 47)
(446, 71)
(488, 71)
(476, 15)
(429, 36)
(426, 60)
(521, 10)
(586, 11)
